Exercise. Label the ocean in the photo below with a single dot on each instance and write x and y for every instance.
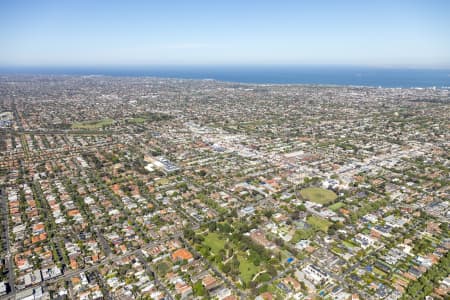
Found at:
(344, 76)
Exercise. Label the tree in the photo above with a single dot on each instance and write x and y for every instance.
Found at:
(268, 213)
(199, 289)
(301, 207)
(226, 268)
(188, 233)
(212, 226)
(271, 270)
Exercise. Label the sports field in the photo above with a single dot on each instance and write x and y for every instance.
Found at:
(318, 195)
(92, 124)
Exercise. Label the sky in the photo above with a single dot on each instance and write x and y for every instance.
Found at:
(382, 33)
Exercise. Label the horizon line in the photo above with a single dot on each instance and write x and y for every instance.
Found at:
(234, 65)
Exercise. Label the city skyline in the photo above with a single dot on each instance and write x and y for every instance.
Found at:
(410, 34)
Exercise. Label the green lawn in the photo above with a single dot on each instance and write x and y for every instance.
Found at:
(302, 234)
(319, 223)
(431, 239)
(136, 120)
(337, 250)
(247, 269)
(336, 206)
(214, 241)
(349, 244)
(396, 276)
(162, 181)
(318, 195)
(285, 255)
(162, 268)
(379, 272)
(92, 124)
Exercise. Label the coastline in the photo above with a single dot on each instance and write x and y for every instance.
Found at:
(262, 75)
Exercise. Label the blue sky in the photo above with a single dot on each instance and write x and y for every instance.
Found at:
(382, 33)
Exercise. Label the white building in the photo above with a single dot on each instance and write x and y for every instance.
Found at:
(315, 275)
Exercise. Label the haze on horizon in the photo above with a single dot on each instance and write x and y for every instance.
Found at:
(381, 33)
